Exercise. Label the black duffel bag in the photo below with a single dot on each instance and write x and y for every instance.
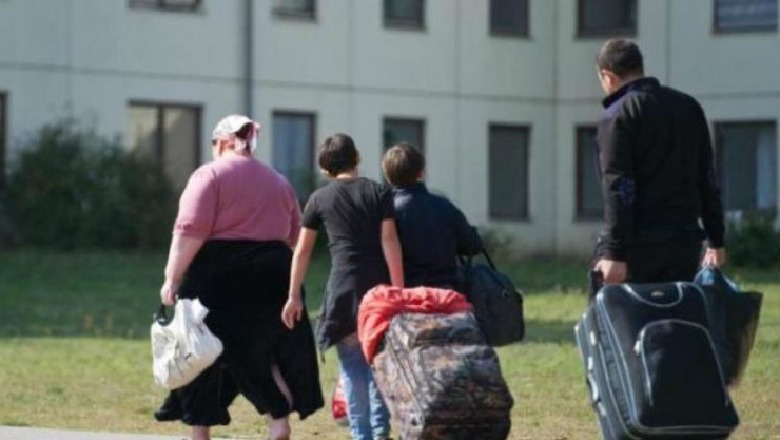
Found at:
(498, 305)
(733, 320)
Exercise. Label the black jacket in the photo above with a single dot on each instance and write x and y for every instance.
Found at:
(432, 232)
(657, 168)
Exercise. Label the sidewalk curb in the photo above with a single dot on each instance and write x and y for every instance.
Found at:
(24, 433)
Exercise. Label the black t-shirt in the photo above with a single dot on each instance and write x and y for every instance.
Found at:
(352, 211)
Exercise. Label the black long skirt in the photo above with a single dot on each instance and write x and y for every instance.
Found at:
(244, 284)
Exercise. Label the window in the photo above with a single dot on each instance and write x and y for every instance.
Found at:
(509, 17)
(405, 13)
(166, 5)
(293, 150)
(590, 202)
(745, 15)
(508, 172)
(168, 134)
(3, 124)
(601, 18)
(411, 131)
(294, 9)
(747, 165)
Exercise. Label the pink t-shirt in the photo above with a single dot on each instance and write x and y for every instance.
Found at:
(238, 198)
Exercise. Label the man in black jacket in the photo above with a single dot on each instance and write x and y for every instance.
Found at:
(657, 176)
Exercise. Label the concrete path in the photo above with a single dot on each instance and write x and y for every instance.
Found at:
(14, 433)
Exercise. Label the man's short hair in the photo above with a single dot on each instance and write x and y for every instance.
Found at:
(621, 57)
(403, 164)
(337, 154)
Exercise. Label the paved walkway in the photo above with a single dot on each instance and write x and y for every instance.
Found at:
(14, 433)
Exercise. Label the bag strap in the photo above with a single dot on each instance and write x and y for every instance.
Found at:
(488, 259)
(467, 261)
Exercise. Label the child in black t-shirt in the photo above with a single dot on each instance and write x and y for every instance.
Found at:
(364, 249)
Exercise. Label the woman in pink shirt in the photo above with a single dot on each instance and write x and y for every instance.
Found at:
(231, 247)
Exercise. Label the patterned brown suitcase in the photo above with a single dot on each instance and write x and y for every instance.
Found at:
(441, 380)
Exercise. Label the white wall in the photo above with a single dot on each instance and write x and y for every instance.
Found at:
(351, 71)
(89, 58)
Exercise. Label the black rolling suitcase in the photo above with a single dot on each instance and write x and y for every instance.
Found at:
(651, 366)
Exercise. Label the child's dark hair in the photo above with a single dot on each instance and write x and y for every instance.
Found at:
(337, 154)
(403, 164)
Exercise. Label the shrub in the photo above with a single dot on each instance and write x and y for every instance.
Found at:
(498, 244)
(754, 241)
(73, 189)
(9, 236)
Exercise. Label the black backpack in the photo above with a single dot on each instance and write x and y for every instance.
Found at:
(498, 305)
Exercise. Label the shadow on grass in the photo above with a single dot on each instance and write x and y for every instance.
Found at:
(556, 332)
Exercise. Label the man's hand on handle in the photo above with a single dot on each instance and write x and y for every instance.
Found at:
(714, 257)
(614, 272)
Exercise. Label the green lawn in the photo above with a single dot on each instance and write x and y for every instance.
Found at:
(74, 350)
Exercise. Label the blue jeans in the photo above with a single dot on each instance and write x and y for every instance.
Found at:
(368, 415)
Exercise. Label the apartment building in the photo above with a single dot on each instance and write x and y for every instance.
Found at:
(500, 94)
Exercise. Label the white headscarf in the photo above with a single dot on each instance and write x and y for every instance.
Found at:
(231, 124)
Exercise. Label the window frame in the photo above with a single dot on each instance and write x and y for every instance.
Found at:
(165, 5)
(420, 122)
(404, 24)
(581, 215)
(525, 32)
(525, 216)
(718, 154)
(583, 32)
(159, 135)
(314, 175)
(749, 29)
(292, 14)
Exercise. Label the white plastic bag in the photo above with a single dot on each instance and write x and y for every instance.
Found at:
(183, 347)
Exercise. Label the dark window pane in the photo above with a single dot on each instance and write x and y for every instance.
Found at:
(166, 5)
(168, 135)
(590, 203)
(607, 17)
(411, 131)
(508, 172)
(745, 15)
(405, 13)
(144, 133)
(509, 17)
(747, 162)
(180, 143)
(293, 150)
(294, 8)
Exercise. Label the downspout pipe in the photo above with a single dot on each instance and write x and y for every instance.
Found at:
(249, 62)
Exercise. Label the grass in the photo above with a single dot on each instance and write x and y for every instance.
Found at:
(74, 350)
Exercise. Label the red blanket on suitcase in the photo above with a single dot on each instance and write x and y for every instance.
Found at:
(383, 302)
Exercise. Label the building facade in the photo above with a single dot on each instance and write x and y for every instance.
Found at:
(502, 95)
